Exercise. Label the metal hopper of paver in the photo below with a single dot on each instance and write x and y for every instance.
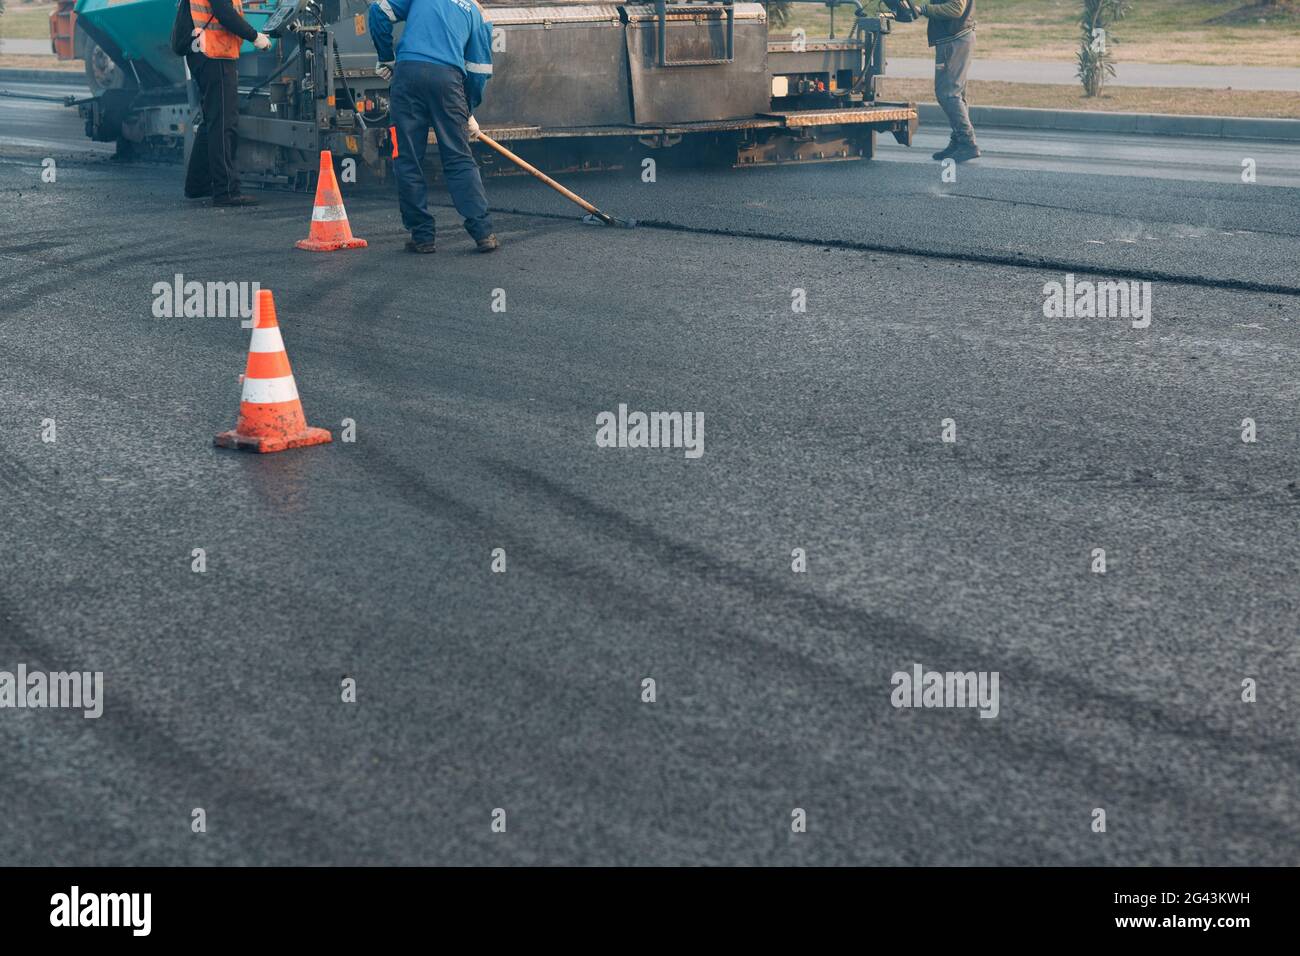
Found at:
(575, 86)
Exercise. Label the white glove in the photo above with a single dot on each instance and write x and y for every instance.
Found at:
(384, 70)
(472, 128)
(263, 42)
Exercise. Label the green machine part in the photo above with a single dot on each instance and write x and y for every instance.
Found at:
(136, 34)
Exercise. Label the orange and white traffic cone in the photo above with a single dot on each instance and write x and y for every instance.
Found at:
(270, 414)
(329, 220)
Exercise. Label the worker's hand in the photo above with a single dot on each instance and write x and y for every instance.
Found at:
(384, 69)
(472, 128)
(263, 42)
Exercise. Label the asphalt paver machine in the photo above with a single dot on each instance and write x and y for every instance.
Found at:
(575, 86)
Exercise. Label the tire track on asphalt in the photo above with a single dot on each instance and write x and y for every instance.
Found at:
(825, 611)
(419, 491)
(104, 259)
(52, 500)
(1273, 493)
(135, 737)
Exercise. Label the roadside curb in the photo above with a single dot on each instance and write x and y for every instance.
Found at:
(1089, 121)
(65, 77)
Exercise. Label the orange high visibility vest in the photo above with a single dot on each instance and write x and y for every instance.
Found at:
(214, 39)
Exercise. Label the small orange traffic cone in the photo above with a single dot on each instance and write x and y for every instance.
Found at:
(270, 414)
(329, 220)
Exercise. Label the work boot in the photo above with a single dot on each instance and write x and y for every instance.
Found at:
(488, 243)
(413, 246)
(966, 152)
(946, 151)
(235, 201)
(199, 194)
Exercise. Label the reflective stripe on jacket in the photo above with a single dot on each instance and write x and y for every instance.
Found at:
(215, 40)
(450, 32)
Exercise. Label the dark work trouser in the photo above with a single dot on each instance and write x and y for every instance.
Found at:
(952, 59)
(428, 95)
(212, 161)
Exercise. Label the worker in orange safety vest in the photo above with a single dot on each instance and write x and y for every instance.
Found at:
(219, 31)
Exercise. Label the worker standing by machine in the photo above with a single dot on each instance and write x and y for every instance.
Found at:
(951, 31)
(219, 31)
(437, 77)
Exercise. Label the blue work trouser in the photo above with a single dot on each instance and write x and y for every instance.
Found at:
(428, 95)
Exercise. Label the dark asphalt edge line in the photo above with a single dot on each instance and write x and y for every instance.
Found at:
(983, 258)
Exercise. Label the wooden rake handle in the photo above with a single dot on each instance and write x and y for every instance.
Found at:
(529, 167)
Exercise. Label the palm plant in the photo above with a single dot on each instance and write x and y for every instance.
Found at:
(1096, 62)
(778, 12)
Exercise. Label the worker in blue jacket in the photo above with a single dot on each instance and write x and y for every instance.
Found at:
(437, 77)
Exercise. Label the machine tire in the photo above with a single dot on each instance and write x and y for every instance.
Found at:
(101, 72)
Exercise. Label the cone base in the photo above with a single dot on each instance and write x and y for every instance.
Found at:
(329, 245)
(312, 436)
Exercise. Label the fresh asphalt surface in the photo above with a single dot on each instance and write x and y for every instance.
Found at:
(476, 429)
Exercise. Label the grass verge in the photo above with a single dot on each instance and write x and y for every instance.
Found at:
(26, 21)
(1212, 32)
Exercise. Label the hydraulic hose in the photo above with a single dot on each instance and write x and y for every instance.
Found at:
(272, 78)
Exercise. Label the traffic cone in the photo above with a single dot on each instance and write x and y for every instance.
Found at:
(270, 414)
(329, 220)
